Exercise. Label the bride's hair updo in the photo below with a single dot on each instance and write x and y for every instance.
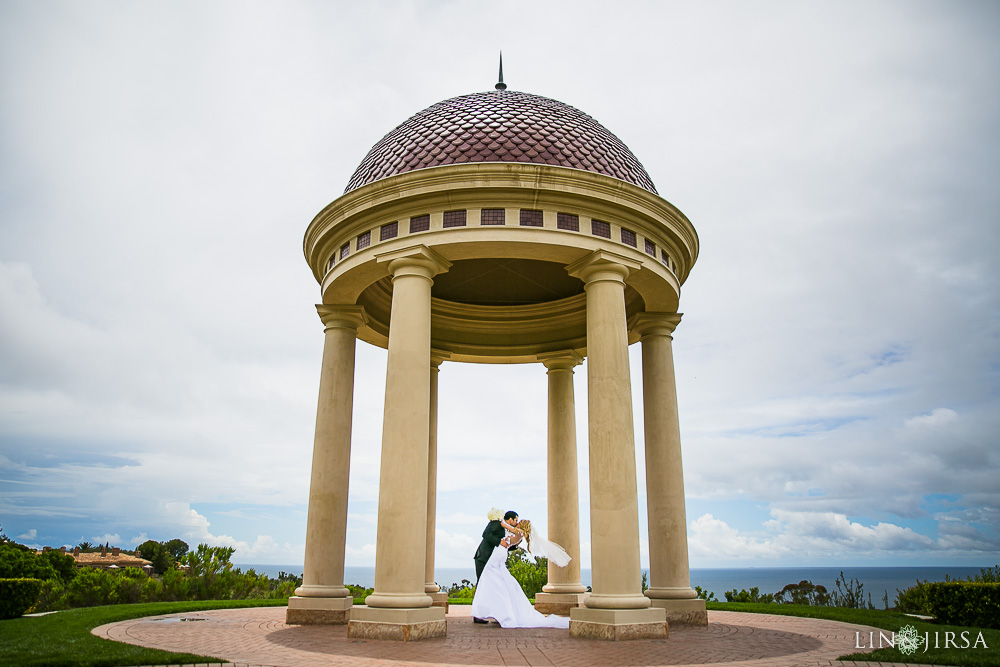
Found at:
(525, 526)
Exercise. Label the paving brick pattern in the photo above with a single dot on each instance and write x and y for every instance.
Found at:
(258, 637)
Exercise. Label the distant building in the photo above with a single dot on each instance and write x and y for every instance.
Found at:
(105, 560)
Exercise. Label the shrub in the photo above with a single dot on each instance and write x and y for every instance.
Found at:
(209, 572)
(914, 600)
(18, 596)
(531, 573)
(968, 603)
(51, 596)
(284, 586)
(174, 586)
(17, 562)
(987, 575)
(238, 585)
(359, 592)
(850, 594)
(93, 587)
(753, 595)
(465, 590)
(705, 595)
(62, 564)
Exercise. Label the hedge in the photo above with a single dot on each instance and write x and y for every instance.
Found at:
(967, 603)
(18, 596)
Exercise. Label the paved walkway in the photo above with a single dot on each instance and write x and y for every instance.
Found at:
(259, 637)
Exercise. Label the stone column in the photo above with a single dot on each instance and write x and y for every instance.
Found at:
(322, 598)
(399, 608)
(439, 597)
(564, 591)
(669, 576)
(616, 609)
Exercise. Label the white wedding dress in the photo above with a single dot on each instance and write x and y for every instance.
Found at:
(499, 596)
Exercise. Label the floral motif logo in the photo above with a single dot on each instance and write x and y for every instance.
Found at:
(908, 640)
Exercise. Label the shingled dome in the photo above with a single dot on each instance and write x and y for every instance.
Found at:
(501, 126)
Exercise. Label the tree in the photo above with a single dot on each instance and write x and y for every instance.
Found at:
(63, 564)
(147, 549)
(157, 554)
(804, 592)
(17, 562)
(161, 560)
(162, 555)
(176, 548)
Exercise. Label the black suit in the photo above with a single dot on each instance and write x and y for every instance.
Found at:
(492, 536)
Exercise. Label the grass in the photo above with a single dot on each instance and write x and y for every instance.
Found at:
(891, 621)
(63, 639)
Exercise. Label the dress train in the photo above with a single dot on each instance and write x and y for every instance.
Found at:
(500, 597)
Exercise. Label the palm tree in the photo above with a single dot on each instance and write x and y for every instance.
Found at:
(85, 546)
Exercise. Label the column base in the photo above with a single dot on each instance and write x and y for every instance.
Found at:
(618, 624)
(683, 612)
(318, 611)
(402, 625)
(558, 603)
(440, 600)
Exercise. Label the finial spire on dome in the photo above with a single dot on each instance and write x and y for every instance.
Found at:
(500, 84)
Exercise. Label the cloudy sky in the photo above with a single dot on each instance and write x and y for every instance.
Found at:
(838, 365)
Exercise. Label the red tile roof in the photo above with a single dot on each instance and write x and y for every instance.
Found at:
(501, 126)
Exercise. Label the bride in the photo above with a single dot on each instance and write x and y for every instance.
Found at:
(500, 597)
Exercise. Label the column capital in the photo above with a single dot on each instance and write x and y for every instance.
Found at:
(563, 360)
(603, 265)
(342, 317)
(437, 356)
(416, 260)
(654, 324)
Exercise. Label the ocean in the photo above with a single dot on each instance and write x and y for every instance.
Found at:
(876, 580)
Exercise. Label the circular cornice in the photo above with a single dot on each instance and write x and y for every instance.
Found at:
(456, 185)
(621, 228)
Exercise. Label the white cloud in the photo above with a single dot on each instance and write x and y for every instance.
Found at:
(835, 532)
(936, 418)
(713, 538)
(825, 537)
(363, 555)
(29, 535)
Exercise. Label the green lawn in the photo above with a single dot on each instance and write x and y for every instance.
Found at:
(63, 639)
(891, 621)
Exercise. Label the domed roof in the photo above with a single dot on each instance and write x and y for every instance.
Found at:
(501, 126)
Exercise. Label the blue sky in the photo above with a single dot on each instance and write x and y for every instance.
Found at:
(837, 364)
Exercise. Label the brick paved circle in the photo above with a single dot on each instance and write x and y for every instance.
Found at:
(259, 636)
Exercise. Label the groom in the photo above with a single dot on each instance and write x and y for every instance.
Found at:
(492, 536)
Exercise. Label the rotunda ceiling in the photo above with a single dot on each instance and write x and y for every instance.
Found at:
(505, 282)
(501, 126)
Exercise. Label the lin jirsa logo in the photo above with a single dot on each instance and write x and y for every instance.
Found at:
(908, 640)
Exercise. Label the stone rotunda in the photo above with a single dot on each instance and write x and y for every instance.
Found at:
(502, 227)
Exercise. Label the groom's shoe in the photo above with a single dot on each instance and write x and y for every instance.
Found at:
(479, 620)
